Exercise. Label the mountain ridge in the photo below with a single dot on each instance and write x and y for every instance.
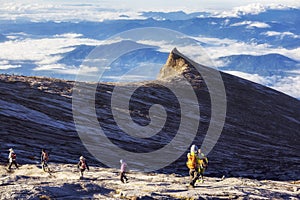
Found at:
(258, 120)
(280, 64)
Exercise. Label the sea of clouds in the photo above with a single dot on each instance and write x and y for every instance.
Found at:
(45, 51)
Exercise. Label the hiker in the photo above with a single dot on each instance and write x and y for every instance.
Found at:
(123, 177)
(192, 164)
(12, 159)
(200, 154)
(202, 165)
(82, 165)
(44, 159)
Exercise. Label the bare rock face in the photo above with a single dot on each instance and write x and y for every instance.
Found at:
(175, 65)
(30, 182)
(178, 65)
(260, 138)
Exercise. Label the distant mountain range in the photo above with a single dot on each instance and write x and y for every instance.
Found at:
(263, 43)
(179, 15)
(246, 28)
(264, 65)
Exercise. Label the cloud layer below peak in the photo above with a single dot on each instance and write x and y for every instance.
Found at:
(54, 10)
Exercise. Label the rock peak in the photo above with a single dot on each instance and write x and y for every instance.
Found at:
(177, 65)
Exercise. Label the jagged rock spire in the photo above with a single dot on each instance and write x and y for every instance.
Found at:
(178, 65)
(175, 65)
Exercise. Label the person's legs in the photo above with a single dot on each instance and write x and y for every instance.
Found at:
(192, 172)
(201, 177)
(125, 177)
(46, 165)
(15, 163)
(122, 177)
(81, 172)
(194, 176)
(191, 175)
(9, 165)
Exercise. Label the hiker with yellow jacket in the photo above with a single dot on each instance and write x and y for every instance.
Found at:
(193, 165)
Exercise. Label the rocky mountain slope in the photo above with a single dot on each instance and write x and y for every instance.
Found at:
(29, 182)
(260, 138)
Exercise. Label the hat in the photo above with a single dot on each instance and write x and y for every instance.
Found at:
(194, 148)
(81, 158)
(121, 161)
(11, 150)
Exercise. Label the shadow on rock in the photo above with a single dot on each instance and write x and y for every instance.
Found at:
(73, 191)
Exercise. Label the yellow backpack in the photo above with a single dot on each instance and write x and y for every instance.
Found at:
(192, 161)
(203, 163)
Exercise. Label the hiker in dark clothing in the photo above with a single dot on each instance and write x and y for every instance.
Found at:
(12, 159)
(44, 159)
(82, 165)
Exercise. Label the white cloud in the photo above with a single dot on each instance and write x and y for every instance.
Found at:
(68, 35)
(295, 71)
(52, 67)
(62, 11)
(281, 34)
(289, 85)
(71, 70)
(4, 62)
(92, 10)
(5, 67)
(216, 48)
(252, 24)
(256, 8)
(251, 77)
(43, 51)
(84, 70)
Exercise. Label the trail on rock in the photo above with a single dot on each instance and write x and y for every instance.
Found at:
(30, 182)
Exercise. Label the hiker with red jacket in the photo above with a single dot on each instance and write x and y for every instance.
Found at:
(12, 159)
(44, 159)
(82, 165)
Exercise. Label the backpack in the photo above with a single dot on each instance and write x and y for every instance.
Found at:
(203, 163)
(192, 161)
(13, 156)
(45, 156)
